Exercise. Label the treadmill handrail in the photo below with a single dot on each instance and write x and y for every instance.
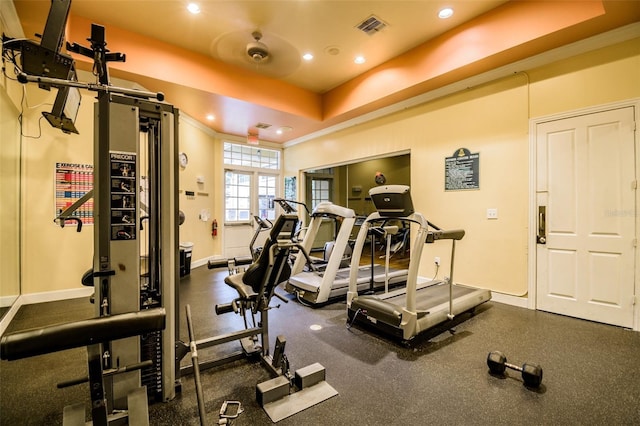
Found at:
(452, 234)
(349, 218)
(414, 262)
(327, 208)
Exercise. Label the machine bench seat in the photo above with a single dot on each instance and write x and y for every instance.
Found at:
(245, 291)
(39, 341)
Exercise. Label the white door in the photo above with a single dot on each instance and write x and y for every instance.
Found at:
(236, 240)
(586, 216)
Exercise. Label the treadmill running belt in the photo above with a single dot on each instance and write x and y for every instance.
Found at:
(389, 310)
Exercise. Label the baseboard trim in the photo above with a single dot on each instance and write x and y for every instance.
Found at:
(509, 299)
(7, 301)
(52, 296)
(199, 262)
(8, 317)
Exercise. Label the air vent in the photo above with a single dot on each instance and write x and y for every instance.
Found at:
(371, 25)
(262, 126)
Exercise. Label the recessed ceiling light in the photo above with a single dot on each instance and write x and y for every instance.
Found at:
(211, 117)
(307, 56)
(193, 8)
(359, 60)
(445, 13)
(284, 129)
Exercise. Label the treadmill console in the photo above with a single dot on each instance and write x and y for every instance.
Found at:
(392, 200)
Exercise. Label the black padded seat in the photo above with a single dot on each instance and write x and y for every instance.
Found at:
(258, 278)
(58, 337)
(245, 291)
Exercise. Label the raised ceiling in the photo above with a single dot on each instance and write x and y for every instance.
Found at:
(200, 61)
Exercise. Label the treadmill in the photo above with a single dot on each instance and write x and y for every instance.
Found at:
(331, 281)
(405, 313)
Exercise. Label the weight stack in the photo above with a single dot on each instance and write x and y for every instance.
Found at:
(151, 377)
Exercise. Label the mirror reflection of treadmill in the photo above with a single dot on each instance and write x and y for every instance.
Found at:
(329, 280)
(405, 313)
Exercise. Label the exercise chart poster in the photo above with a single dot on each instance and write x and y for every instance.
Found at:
(72, 182)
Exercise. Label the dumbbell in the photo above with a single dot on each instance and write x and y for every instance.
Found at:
(531, 373)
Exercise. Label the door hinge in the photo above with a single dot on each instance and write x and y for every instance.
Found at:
(634, 185)
(634, 242)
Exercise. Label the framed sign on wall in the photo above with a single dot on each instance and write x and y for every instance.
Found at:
(72, 181)
(462, 171)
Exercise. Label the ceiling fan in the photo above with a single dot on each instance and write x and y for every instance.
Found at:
(257, 51)
(266, 54)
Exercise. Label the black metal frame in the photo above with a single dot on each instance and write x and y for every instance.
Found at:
(254, 298)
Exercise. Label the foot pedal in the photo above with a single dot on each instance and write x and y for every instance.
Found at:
(272, 390)
(138, 407)
(311, 395)
(249, 346)
(73, 415)
(309, 375)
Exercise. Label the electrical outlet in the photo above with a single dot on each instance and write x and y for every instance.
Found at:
(436, 260)
(492, 213)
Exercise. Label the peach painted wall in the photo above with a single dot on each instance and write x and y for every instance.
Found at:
(492, 120)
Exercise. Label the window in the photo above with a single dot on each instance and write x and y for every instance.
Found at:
(249, 188)
(237, 196)
(266, 194)
(251, 156)
(320, 191)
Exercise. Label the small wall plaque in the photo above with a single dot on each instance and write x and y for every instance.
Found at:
(462, 171)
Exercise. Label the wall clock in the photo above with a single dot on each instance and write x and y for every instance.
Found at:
(184, 160)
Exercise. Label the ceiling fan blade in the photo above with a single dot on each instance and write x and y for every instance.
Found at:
(283, 58)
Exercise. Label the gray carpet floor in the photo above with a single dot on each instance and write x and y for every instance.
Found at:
(591, 370)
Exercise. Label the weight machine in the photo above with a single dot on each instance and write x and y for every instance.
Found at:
(135, 267)
(286, 393)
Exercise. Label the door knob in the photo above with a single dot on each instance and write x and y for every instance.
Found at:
(542, 225)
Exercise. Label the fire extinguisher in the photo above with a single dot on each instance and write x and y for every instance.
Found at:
(214, 228)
